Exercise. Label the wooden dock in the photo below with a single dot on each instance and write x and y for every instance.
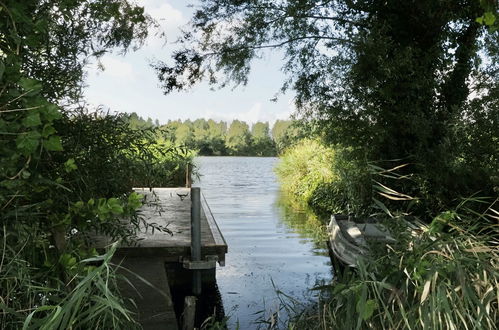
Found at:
(161, 258)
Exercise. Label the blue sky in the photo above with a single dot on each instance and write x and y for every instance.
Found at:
(129, 84)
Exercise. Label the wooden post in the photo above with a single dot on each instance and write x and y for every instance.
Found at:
(188, 175)
(196, 237)
(189, 314)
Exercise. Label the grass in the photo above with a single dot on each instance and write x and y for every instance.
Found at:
(445, 280)
(89, 301)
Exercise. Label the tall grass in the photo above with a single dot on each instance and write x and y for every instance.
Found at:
(303, 168)
(90, 300)
(442, 279)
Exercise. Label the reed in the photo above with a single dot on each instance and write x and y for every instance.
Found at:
(90, 300)
(438, 280)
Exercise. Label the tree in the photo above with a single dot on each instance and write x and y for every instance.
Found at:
(201, 138)
(390, 79)
(48, 203)
(262, 144)
(285, 133)
(184, 135)
(216, 135)
(52, 41)
(238, 138)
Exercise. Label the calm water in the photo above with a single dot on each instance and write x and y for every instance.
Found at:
(270, 247)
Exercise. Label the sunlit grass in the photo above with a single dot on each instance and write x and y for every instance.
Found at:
(447, 280)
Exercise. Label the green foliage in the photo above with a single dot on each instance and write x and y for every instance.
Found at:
(261, 142)
(489, 16)
(306, 166)
(91, 301)
(238, 138)
(390, 79)
(444, 276)
(113, 157)
(57, 168)
(326, 179)
(51, 41)
(435, 281)
(209, 137)
(285, 133)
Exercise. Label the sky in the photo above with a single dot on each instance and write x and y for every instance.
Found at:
(129, 84)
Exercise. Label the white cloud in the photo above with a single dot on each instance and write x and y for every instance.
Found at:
(168, 18)
(251, 116)
(113, 67)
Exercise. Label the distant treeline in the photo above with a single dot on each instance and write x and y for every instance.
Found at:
(219, 138)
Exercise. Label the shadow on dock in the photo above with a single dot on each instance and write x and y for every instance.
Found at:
(170, 279)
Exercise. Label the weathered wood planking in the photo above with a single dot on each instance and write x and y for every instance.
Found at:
(152, 300)
(171, 208)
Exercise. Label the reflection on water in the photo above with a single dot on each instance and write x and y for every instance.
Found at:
(270, 247)
(302, 221)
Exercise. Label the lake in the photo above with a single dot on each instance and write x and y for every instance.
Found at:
(271, 247)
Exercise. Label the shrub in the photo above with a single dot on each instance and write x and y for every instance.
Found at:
(327, 179)
(91, 301)
(64, 176)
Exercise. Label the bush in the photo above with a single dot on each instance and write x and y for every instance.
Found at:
(112, 157)
(327, 179)
(63, 177)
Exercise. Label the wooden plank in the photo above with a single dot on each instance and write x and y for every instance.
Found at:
(152, 300)
(215, 230)
(170, 208)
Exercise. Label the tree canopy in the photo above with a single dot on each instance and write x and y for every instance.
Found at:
(406, 80)
(64, 173)
(218, 138)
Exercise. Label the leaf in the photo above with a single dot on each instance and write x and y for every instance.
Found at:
(134, 200)
(390, 193)
(489, 18)
(51, 112)
(2, 69)
(382, 207)
(32, 119)
(48, 130)
(366, 309)
(30, 85)
(53, 143)
(28, 142)
(426, 291)
(479, 249)
(115, 206)
(70, 165)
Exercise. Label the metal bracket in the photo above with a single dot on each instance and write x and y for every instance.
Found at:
(209, 263)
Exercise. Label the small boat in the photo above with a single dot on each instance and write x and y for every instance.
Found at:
(349, 237)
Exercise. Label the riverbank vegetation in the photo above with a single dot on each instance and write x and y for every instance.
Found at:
(219, 138)
(399, 100)
(66, 173)
(402, 101)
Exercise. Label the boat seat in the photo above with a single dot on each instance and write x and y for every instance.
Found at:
(352, 233)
